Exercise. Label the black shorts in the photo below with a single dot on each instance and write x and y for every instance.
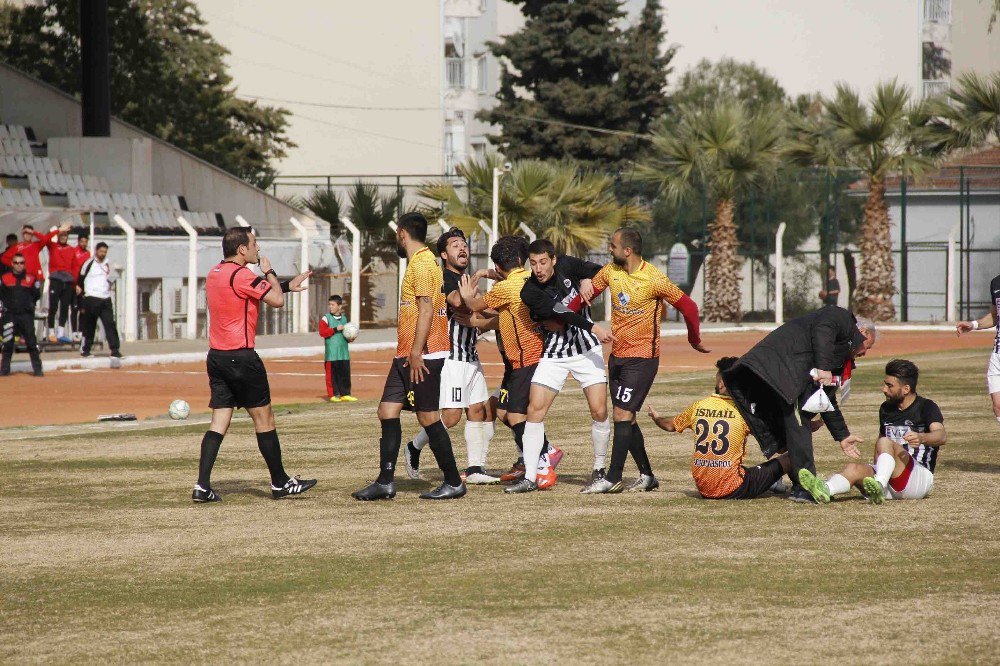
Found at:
(237, 378)
(515, 389)
(757, 480)
(630, 380)
(425, 396)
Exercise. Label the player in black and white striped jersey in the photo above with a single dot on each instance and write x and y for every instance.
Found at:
(989, 320)
(572, 346)
(463, 384)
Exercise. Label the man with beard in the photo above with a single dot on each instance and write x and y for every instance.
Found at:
(414, 380)
(771, 383)
(911, 431)
(463, 384)
(62, 281)
(637, 291)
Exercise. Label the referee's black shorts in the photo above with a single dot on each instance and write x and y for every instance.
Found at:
(515, 389)
(630, 380)
(422, 397)
(237, 378)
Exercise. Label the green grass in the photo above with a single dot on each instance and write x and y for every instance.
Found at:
(104, 557)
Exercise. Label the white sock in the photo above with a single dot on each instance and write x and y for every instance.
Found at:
(534, 442)
(600, 433)
(488, 429)
(884, 465)
(838, 484)
(474, 443)
(61, 332)
(420, 440)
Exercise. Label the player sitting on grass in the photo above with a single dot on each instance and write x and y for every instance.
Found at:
(721, 444)
(911, 429)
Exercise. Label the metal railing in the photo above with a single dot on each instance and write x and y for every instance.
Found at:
(937, 11)
(932, 88)
(456, 72)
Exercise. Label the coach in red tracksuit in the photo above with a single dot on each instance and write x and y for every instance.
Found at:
(62, 281)
(31, 247)
(18, 296)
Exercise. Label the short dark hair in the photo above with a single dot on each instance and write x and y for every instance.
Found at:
(726, 362)
(233, 239)
(631, 238)
(100, 245)
(336, 298)
(18, 255)
(81, 236)
(522, 247)
(27, 226)
(415, 224)
(443, 239)
(542, 246)
(11, 237)
(506, 253)
(905, 371)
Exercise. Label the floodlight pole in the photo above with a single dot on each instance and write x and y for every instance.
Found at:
(192, 288)
(355, 269)
(779, 288)
(131, 283)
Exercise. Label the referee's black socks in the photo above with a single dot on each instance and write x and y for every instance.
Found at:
(619, 450)
(210, 444)
(267, 442)
(440, 444)
(388, 449)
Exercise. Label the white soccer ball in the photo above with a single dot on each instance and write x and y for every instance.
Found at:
(179, 410)
(350, 331)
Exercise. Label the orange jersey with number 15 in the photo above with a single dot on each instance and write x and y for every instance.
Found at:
(719, 446)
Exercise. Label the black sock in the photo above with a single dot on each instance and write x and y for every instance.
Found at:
(210, 444)
(267, 442)
(638, 451)
(620, 446)
(518, 430)
(388, 449)
(440, 444)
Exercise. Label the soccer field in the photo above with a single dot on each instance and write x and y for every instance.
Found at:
(105, 559)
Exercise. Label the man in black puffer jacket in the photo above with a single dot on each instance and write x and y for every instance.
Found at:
(771, 382)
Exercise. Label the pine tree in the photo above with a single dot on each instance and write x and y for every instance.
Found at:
(561, 71)
(644, 70)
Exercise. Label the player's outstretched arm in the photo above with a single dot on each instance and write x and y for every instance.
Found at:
(663, 422)
(988, 320)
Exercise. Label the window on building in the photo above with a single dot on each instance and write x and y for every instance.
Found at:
(482, 70)
(937, 11)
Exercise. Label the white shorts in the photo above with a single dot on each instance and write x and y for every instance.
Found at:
(917, 486)
(993, 373)
(462, 384)
(586, 368)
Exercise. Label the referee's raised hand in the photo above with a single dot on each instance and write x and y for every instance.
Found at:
(295, 284)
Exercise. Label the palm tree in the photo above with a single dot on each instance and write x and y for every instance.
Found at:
(968, 116)
(888, 135)
(724, 151)
(574, 209)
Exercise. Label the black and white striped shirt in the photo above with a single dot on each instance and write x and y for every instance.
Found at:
(561, 293)
(463, 338)
(995, 297)
(895, 423)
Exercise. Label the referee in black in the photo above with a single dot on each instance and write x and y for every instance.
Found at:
(236, 374)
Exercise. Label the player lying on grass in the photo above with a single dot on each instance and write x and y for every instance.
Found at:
(721, 444)
(911, 429)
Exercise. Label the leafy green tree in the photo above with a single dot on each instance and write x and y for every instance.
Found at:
(706, 83)
(886, 135)
(726, 152)
(574, 209)
(571, 66)
(168, 78)
(968, 116)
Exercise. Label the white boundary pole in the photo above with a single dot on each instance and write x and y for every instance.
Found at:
(131, 282)
(490, 242)
(528, 232)
(242, 222)
(301, 299)
(355, 270)
(951, 305)
(192, 288)
(444, 226)
(402, 265)
(779, 288)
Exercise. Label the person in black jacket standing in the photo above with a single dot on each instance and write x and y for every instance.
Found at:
(771, 382)
(18, 296)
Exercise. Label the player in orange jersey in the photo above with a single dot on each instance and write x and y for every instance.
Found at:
(721, 444)
(414, 380)
(638, 292)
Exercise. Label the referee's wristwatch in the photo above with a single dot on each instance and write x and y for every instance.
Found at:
(270, 271)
